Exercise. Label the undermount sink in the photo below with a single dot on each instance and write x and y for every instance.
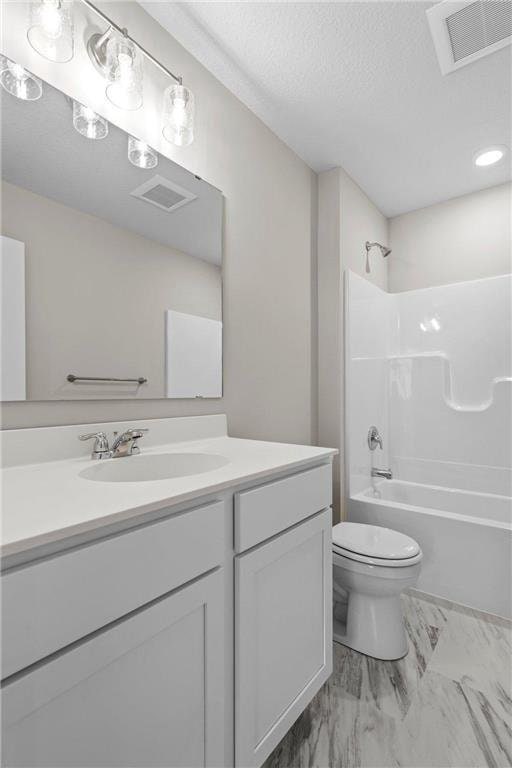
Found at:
(161, 466)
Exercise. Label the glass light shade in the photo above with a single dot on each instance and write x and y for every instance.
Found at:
(141, 154)
(89, 123)
(178, 115)
(489, 156)
(50, 31)
(124, 67)
(19, 81)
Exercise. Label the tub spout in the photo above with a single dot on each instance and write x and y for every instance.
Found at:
(385, 473)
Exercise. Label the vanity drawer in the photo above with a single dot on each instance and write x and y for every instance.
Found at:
(54, 602)
(269, 509)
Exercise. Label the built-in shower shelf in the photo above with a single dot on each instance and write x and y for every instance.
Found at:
(448, 397)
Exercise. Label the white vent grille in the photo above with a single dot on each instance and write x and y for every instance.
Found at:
(163, 193)
(465, 31)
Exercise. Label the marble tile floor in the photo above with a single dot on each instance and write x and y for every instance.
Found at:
(447, 704)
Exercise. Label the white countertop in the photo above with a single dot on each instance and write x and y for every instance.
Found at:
(48, 502)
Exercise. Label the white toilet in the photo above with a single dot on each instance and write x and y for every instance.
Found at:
(372, 566)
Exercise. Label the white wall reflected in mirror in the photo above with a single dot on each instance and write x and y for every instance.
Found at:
(110, 249)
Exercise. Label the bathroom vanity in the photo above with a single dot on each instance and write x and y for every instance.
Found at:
(183, 621)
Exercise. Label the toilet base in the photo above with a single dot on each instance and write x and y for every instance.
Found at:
(369, 616)
(374, 627)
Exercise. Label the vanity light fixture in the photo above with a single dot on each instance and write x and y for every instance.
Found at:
(51, 29)
(19, 82)
(88, 122)
(178, 115)
(119, 59)
(141, 154)
(124, 64)
(489, 156)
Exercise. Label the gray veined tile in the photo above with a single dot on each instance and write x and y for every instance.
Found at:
(369, 738)
(447, 606)
(422, 612)
(478, 654)
(373, 713)
(339, 731)
(390, 685)
(451, 725)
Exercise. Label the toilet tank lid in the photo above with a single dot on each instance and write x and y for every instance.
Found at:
(374, 541)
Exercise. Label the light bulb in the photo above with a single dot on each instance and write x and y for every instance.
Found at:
(124, 68)
(19, 82)
(178, 115)
(50, 18)
(88, 122)
(51, 29)
(489, 156)
(141, 154)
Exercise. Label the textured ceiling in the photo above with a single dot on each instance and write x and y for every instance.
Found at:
(358, 85)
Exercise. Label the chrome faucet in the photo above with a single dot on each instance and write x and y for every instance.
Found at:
(385, 473)
(100, 449)
(374, 440)
(124, 445)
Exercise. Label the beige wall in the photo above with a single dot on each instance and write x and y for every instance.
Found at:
(466, 238)
(361, 220)
(269, 193)
(97, 296)
(346, 219)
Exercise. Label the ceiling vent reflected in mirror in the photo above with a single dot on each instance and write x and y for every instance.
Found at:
(163, 193)
(465, 30)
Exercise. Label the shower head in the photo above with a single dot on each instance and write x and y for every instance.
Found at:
(383, 249)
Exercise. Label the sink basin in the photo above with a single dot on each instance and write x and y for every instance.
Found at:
(148, 467)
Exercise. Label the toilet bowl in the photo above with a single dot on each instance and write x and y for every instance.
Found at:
(371, 568)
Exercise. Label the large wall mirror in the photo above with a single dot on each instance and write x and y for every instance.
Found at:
(111, 274)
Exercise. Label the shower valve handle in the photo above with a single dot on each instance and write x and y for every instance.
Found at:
(374, 439)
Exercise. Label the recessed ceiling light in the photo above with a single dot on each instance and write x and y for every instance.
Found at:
(489, 156)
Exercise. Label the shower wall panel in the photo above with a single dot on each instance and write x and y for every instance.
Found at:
(432, 369)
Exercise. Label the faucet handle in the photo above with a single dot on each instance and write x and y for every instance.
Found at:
(374, 439)
(100, 442)
(137, 432)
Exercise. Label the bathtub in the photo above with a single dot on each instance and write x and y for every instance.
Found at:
(465, 535)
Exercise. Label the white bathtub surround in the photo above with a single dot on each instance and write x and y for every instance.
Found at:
(372, 567)
(467, 558)
(431, 368)
(112, 585)
(447, 703)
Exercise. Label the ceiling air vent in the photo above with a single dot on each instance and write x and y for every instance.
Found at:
(465, 30)
(163, 193)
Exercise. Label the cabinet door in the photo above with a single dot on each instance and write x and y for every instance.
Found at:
(145, 691)
(283, 651)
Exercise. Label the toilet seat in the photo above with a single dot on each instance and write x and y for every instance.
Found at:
(382, 562)
(374, 545)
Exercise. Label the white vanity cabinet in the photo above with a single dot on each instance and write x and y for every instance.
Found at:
(283, 633)
(147, 690)
(195, 638)
(283, 637)
(113, 652)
